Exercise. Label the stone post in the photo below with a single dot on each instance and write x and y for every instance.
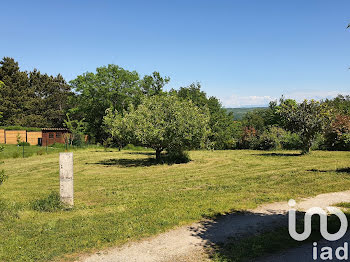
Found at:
(66, 178)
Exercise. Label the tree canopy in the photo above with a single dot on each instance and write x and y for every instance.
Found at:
(162, 122)
(308, 119)
(31, 99)
(110, 87)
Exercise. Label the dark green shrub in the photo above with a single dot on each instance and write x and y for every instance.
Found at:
(40, 152)
(337, 137)
(16, 155)
(267, 141)
(23, 144)
(270, 139)
(50, 203)
(176, 157)
(291, 141)
(318, 143)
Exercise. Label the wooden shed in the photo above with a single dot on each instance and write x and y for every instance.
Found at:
(54, 135)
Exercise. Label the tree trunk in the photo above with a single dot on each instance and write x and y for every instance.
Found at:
(158, 151)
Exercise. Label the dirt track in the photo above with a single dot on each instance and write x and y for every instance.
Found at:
(188, 243)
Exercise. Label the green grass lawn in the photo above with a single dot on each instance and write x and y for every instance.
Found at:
(120, 196)
(14, 151)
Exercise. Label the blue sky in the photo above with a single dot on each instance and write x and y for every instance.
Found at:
(244, 52)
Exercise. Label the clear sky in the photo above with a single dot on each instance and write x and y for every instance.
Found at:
(244, 52)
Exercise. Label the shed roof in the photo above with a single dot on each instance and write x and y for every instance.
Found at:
(55, 129)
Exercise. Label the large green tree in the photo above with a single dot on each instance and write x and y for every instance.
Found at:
(31, 99)
(14, 92)
(163, 123)
(110, 87)
(224, 130)
(307, 119)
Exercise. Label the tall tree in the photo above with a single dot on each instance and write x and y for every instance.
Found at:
(153, 84)
(224, 130)
(31, 99)
(111, 87)
(14, 92)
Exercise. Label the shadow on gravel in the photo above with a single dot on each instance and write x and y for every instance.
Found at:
(242, 236)
(246, 236)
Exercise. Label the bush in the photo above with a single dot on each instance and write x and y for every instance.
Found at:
(177, 157)
(40, 152)
(249, 138)
(319, 143)
(50, 203)
(16, 155)
(337, 136)
(291, 141)
(267, 141)
(23, 144)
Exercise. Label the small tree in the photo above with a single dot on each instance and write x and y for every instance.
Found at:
(3, 177)
(162, 123)
(307, 119)
(77, 129)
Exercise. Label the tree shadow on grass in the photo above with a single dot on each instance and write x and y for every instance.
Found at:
(142, 153)
(141, 162)
(279, 154)
(125, 162)
(338, 170)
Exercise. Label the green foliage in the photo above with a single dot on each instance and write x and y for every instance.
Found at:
(23, 144)
(29, 129)
(337, 136)
(162, 123)
(177, 157)
(340, 104)
(110, 87)
(308, 119)
(32, 98)
(77, 129)
(224, 130)
(50, 203)
(271, 138)
(291, 141)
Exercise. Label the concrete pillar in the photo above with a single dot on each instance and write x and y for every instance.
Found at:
(66, 178)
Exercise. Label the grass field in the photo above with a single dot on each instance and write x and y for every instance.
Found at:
(121, 196)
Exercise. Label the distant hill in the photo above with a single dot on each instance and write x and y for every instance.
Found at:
(238, 113)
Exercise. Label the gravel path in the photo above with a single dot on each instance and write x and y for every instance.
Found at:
(188, 243)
